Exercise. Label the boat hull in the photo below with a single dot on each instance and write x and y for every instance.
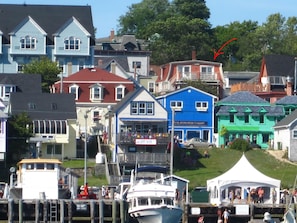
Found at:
(157, 215)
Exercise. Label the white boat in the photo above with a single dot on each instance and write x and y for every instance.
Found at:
(150, 198)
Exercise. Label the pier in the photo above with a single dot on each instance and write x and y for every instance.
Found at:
(115, 211)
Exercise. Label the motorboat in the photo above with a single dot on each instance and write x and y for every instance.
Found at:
(150, 197)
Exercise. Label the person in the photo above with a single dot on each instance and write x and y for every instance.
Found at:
(200, 219)
(231, 195)
(226, 215)
(261, 195)
(176, 195)
(267, 218)
(86, 190)
(60, 183)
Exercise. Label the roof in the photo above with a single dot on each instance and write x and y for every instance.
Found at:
(47, 106)
(104, 62)
(23, 82)
(242, 172)
(287, 100)
(253, 110)
(280, 65)
(242, 97)
(49, 17)
(287, 121)
(93, 75)
(39, 161)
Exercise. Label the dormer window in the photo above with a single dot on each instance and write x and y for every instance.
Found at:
(5, 91)
(28, 42)
(96, 92)
(72, 43)
(120, 92)
(31, 106)
(73, 89)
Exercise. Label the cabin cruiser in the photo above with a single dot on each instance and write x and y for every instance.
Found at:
(150, 197)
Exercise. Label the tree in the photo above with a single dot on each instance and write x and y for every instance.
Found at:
(173, 30)
(202, 86)
(19, 130)
(46, 68)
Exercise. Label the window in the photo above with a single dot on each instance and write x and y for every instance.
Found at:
(201, 105)
(61, 66)
(80, 65)
(96, 92)
(176, 104)
(295, 134)
(5, 90)
(246, 118)
(74, 90)
(136, 64)
(72, 43)
(231, 118)
(31, 106)
(54, 149)
(151, 87)
(265, 138)
(50, 127)
(206, 69)
(261, 118)
(120, 92)
(96, 116)
(28, 42)
(20, 68)
(142, 108)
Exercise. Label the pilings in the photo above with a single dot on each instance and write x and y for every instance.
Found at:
(64, 211)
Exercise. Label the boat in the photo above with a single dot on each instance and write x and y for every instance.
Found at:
(42, 179)
(150, 197)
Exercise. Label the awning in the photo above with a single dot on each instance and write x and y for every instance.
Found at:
(243, 128)
(143, 119)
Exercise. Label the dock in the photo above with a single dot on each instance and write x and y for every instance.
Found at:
(116, 211)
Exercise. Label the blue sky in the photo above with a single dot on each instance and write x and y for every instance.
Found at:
(106, 13)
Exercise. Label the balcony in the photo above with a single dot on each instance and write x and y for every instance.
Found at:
(144, 158)
(197, 76)
(127, 138)
(252, 87)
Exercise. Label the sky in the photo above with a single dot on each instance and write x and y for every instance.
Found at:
(106, 13)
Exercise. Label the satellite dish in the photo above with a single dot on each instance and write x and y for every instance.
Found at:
(68, 170)
(12, 169)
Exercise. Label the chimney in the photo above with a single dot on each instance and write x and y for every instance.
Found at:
(111, 37)
(100, 63)
(193, 54)
(69, 68)
(113, 67)
(289, 89)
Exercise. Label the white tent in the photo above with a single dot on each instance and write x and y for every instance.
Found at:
(244, 177)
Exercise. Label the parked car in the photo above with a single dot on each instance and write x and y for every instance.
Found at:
(197, 142)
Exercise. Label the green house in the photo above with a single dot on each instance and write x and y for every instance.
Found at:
(245, 115)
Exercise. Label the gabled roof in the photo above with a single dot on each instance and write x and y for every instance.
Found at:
(242, 97)
(287, 121)
(105, 62)
(23, 82)
(47, 106)
(279, 65)
(49, 17)
(287, 100)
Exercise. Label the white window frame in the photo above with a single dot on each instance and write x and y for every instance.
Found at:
(186, 72)
(96, 92)
(5, 91)
(201, 105)
(119, 92)
(151, 87)
(211, 68)
(72, 43)
(28, 43)
(74, 90)
(142, 108)
(177, 105)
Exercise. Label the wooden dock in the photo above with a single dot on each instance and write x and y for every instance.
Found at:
(115, 211)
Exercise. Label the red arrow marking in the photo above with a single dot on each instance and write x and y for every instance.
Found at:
(218, 53)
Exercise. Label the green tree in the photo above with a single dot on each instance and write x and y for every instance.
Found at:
(46, 68)
(19, 130)
(202, 86)
(173, 29)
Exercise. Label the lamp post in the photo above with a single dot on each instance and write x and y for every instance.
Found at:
(86, 146)
(172, 142)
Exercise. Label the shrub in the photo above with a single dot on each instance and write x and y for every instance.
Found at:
(241, 145)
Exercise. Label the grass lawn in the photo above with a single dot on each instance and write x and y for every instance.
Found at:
(219, 162)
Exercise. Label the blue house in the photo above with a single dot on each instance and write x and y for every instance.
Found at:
(65, 34)
(192, 111)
